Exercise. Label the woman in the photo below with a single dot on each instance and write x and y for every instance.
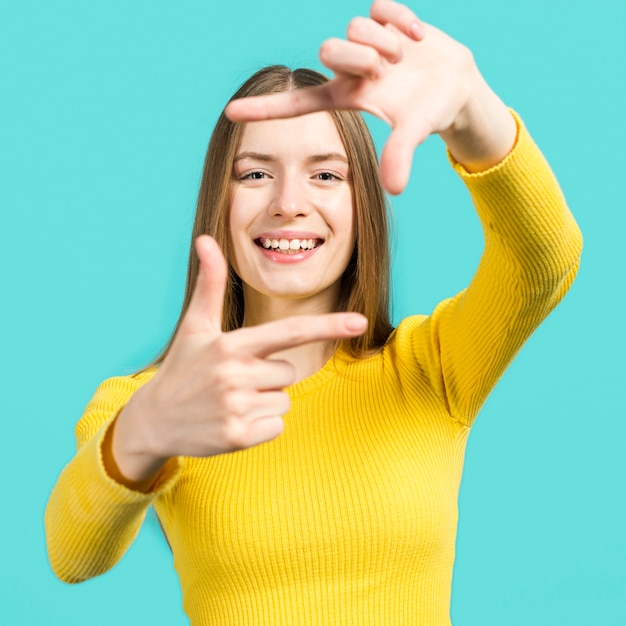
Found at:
(349, 515)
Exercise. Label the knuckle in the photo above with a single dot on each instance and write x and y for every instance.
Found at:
(226, 376)
(290, 375)
(328, 50)
(357, 28)
(467, 56)
(396, 51)
(285, 403)
(377, 7)
(235, 406)
(233, 435)
(221, 346)
(278, 403)
(372, 60)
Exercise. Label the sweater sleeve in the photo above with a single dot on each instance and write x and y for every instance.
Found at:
(91, 520)
(531, 256)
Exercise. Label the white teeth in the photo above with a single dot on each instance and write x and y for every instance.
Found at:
(287, 245)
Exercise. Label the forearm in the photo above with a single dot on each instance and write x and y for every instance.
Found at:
(532, 252)
(524, 215)
(90, 519)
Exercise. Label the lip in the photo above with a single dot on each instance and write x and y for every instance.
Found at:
(289, 234)
(279, 257)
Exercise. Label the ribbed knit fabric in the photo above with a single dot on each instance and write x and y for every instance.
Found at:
(349, 517)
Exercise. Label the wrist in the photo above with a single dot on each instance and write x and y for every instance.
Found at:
(484, 131)
(128, 456)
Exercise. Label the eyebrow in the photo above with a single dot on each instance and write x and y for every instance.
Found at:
(314, 158)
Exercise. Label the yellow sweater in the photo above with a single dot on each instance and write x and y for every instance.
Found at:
(349, 517)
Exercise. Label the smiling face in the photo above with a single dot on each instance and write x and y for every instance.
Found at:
(291, 215)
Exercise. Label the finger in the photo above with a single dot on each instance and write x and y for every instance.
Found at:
(262, 430)
(347, 57)
(389, 12)
(267, 404)
(370, 33)
(397, 157)
(255, 374)
(289, 332)
(285, 104)
(207, 302)
(273, 374)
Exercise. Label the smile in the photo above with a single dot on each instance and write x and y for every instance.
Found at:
(287, 246)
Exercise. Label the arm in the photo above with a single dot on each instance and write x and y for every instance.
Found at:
(91, 519)
(531, 255)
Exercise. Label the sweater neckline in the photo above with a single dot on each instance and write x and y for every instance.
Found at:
(336, 364)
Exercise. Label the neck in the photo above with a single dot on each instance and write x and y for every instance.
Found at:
(308, 358)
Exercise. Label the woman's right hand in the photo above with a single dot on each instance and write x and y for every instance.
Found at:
(215, 392)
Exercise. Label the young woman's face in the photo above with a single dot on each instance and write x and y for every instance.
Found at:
(291, 217)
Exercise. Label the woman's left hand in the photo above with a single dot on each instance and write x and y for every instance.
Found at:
(411, 75)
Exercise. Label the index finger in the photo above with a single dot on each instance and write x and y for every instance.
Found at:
(289, 332)
(280, 105)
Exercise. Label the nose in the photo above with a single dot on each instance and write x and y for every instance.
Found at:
(289, 199)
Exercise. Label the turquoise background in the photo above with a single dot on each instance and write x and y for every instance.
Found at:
(105, 113)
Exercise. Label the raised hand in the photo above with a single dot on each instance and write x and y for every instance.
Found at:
(215, 392)
(411, 75)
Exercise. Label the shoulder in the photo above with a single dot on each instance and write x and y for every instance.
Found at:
(411, 330)
(403, 342)
(108, 400)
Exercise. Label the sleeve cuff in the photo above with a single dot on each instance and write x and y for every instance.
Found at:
(518, 147)
(165, 480)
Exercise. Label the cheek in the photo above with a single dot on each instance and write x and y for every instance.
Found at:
(245, 208)
(237, 222)
(347, 221)
(239, 226)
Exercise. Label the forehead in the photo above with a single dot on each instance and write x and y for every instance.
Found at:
(315, 133)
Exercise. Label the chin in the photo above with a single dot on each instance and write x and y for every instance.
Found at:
(322, 298)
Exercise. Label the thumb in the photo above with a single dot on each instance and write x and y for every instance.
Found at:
(207, 302)
(397, 157)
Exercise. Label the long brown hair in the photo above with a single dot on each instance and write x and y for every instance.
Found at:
(365, 283)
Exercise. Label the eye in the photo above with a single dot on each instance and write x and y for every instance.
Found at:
(253, 176)
(328, 176)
